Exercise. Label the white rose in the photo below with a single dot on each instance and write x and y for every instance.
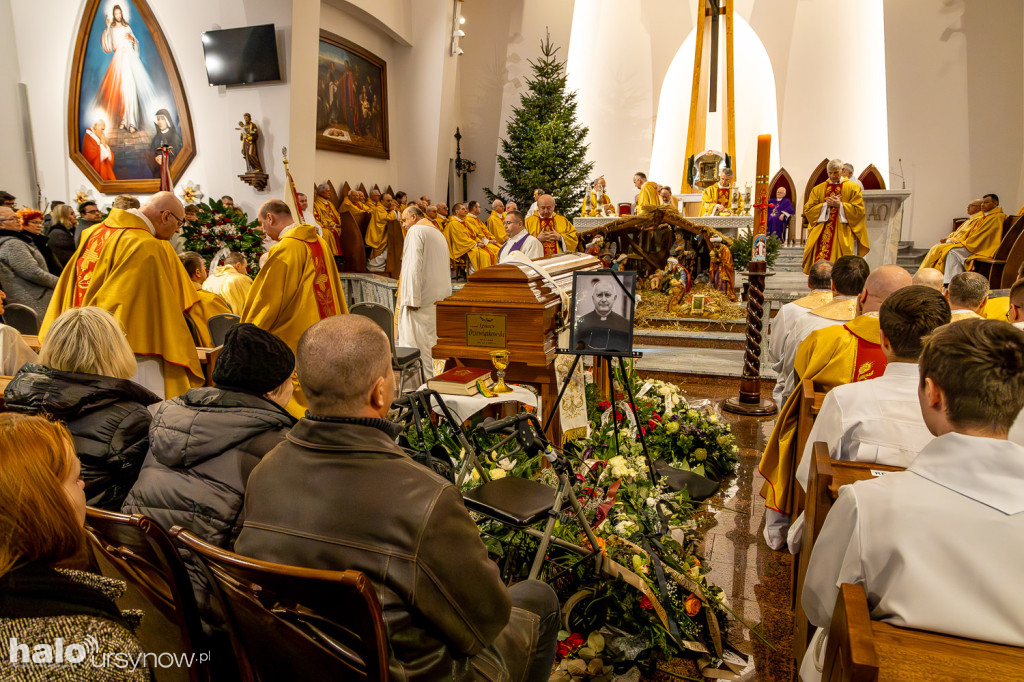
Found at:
(651, 501)
(506, 464)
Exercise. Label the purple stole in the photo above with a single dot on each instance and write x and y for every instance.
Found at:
(515, 245)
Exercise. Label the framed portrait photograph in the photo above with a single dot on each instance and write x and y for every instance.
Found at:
(351, 99)
(603, 304)
(126, 100)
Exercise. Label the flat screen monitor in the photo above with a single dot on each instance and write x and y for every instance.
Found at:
(241, 55)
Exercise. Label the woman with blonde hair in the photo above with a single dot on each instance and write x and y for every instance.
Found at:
(41, 521)
(60, 240)
(83, 378)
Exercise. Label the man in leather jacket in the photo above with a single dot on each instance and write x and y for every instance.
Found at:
(339, 494)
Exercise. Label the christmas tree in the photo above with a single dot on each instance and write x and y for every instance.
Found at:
(544, 145)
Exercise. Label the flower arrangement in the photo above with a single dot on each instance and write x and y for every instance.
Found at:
(217, 227)
(650, 600)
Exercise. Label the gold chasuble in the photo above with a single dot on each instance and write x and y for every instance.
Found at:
(462, 241)
(832, 239)
(231, 285)
(297, 287)
(356, 209)
(716, 194)
(478, 226)
(121, 267)
(648, 197)
(592, 206)
(439, 221)
(535, 225)
(377, 230)
(496, 226)
(830, 357)
(815, 299)
(206, 307)
(329, 219)
(980, 235)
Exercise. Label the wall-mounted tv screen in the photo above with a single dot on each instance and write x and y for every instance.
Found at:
(241, 55)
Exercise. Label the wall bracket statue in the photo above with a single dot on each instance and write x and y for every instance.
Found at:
(250, 136)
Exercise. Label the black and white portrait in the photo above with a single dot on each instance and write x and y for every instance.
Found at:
(603, 311)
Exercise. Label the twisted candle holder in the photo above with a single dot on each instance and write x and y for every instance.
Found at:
(749, 401)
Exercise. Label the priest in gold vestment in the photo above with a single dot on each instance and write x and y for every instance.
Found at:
(648, 195)
(327, 217)
(835, 213)
(597, 202)
(376, 239)
(126, 266)
(209, 304)
(978, 237)
(496, 222)
(466, 239)
(555, 232)
(717, 199)
(354, 203)
(297, 287)
(231, 281)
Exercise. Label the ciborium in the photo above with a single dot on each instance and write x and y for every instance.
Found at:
(500, 360)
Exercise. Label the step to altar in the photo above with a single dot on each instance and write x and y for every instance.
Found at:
(690, 339)
(695, 324)
(695, 362)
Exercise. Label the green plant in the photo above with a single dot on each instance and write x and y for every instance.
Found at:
(217, 226)
(544, 145)
(742, 245)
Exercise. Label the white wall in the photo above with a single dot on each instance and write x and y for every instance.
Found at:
(215, 110)
(14, 175)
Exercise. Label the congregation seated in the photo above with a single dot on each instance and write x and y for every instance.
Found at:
(83, 379)
(928, 277)
(932, 546)
(496, 221)
(203, 445)
(879, 420)
(466, 239)
(339, 494)
(978, 237)
(41, 530)
(231, 281)
(967, 294)
(819, 281)
(24, 276)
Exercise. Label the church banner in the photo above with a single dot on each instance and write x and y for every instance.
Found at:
(126, 100)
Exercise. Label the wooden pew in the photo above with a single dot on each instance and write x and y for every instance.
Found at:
(995, 267)
(207, 358)
(396, 244)
(808, 408)
(827, 476)
(861, 650)
(32, 340)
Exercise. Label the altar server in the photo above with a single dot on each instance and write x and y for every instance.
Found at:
(936, 547)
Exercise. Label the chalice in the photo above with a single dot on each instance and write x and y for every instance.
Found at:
(500, 358)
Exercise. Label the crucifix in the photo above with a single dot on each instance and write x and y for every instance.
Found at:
(704, 92)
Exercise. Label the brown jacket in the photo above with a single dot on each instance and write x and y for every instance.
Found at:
(340, 494)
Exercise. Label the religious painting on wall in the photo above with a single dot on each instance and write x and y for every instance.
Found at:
(127, 100)
(351, 99)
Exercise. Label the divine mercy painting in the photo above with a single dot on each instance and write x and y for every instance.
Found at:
(351, 99)
(128, 110)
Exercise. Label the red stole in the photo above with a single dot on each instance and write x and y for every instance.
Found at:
(86, 263)
(550, 248)
(325, 303)
(870, 361)
(828, 234)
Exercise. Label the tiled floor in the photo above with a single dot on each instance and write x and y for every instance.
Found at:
(755, 578)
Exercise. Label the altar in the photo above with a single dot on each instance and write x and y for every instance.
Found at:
(883, 217)
(730, 226)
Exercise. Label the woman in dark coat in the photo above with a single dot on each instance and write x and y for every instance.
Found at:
(83, 378)
(41, 521)
(24, 276)
(60, 239)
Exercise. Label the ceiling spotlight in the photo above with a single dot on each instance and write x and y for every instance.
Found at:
(462, 20)
(458, 51)
(460, 33)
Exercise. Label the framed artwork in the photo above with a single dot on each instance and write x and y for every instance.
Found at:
(126, 100)
(603, 304)
(351, 99)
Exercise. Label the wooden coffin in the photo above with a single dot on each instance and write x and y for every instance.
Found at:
(510, 307)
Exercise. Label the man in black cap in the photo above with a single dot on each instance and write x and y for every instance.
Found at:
(203, 445)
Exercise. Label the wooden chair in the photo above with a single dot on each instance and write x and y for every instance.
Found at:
(396, 244)
(135, 549)
(994, 267)
(826, 477)
(862, 650)
(290, 623)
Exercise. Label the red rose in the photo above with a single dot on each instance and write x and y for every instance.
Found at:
(657, 416)
(643, 431)
(604, 405)
(618, 416)
(651, 424)
(646, 603)
(569, 645)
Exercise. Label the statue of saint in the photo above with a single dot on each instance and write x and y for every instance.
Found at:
(250, 134)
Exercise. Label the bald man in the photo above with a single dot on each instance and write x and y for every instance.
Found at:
(555, 233)
(496, 222)
(340, 494)
(126, 266)
(830, 357)
(929, 277)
